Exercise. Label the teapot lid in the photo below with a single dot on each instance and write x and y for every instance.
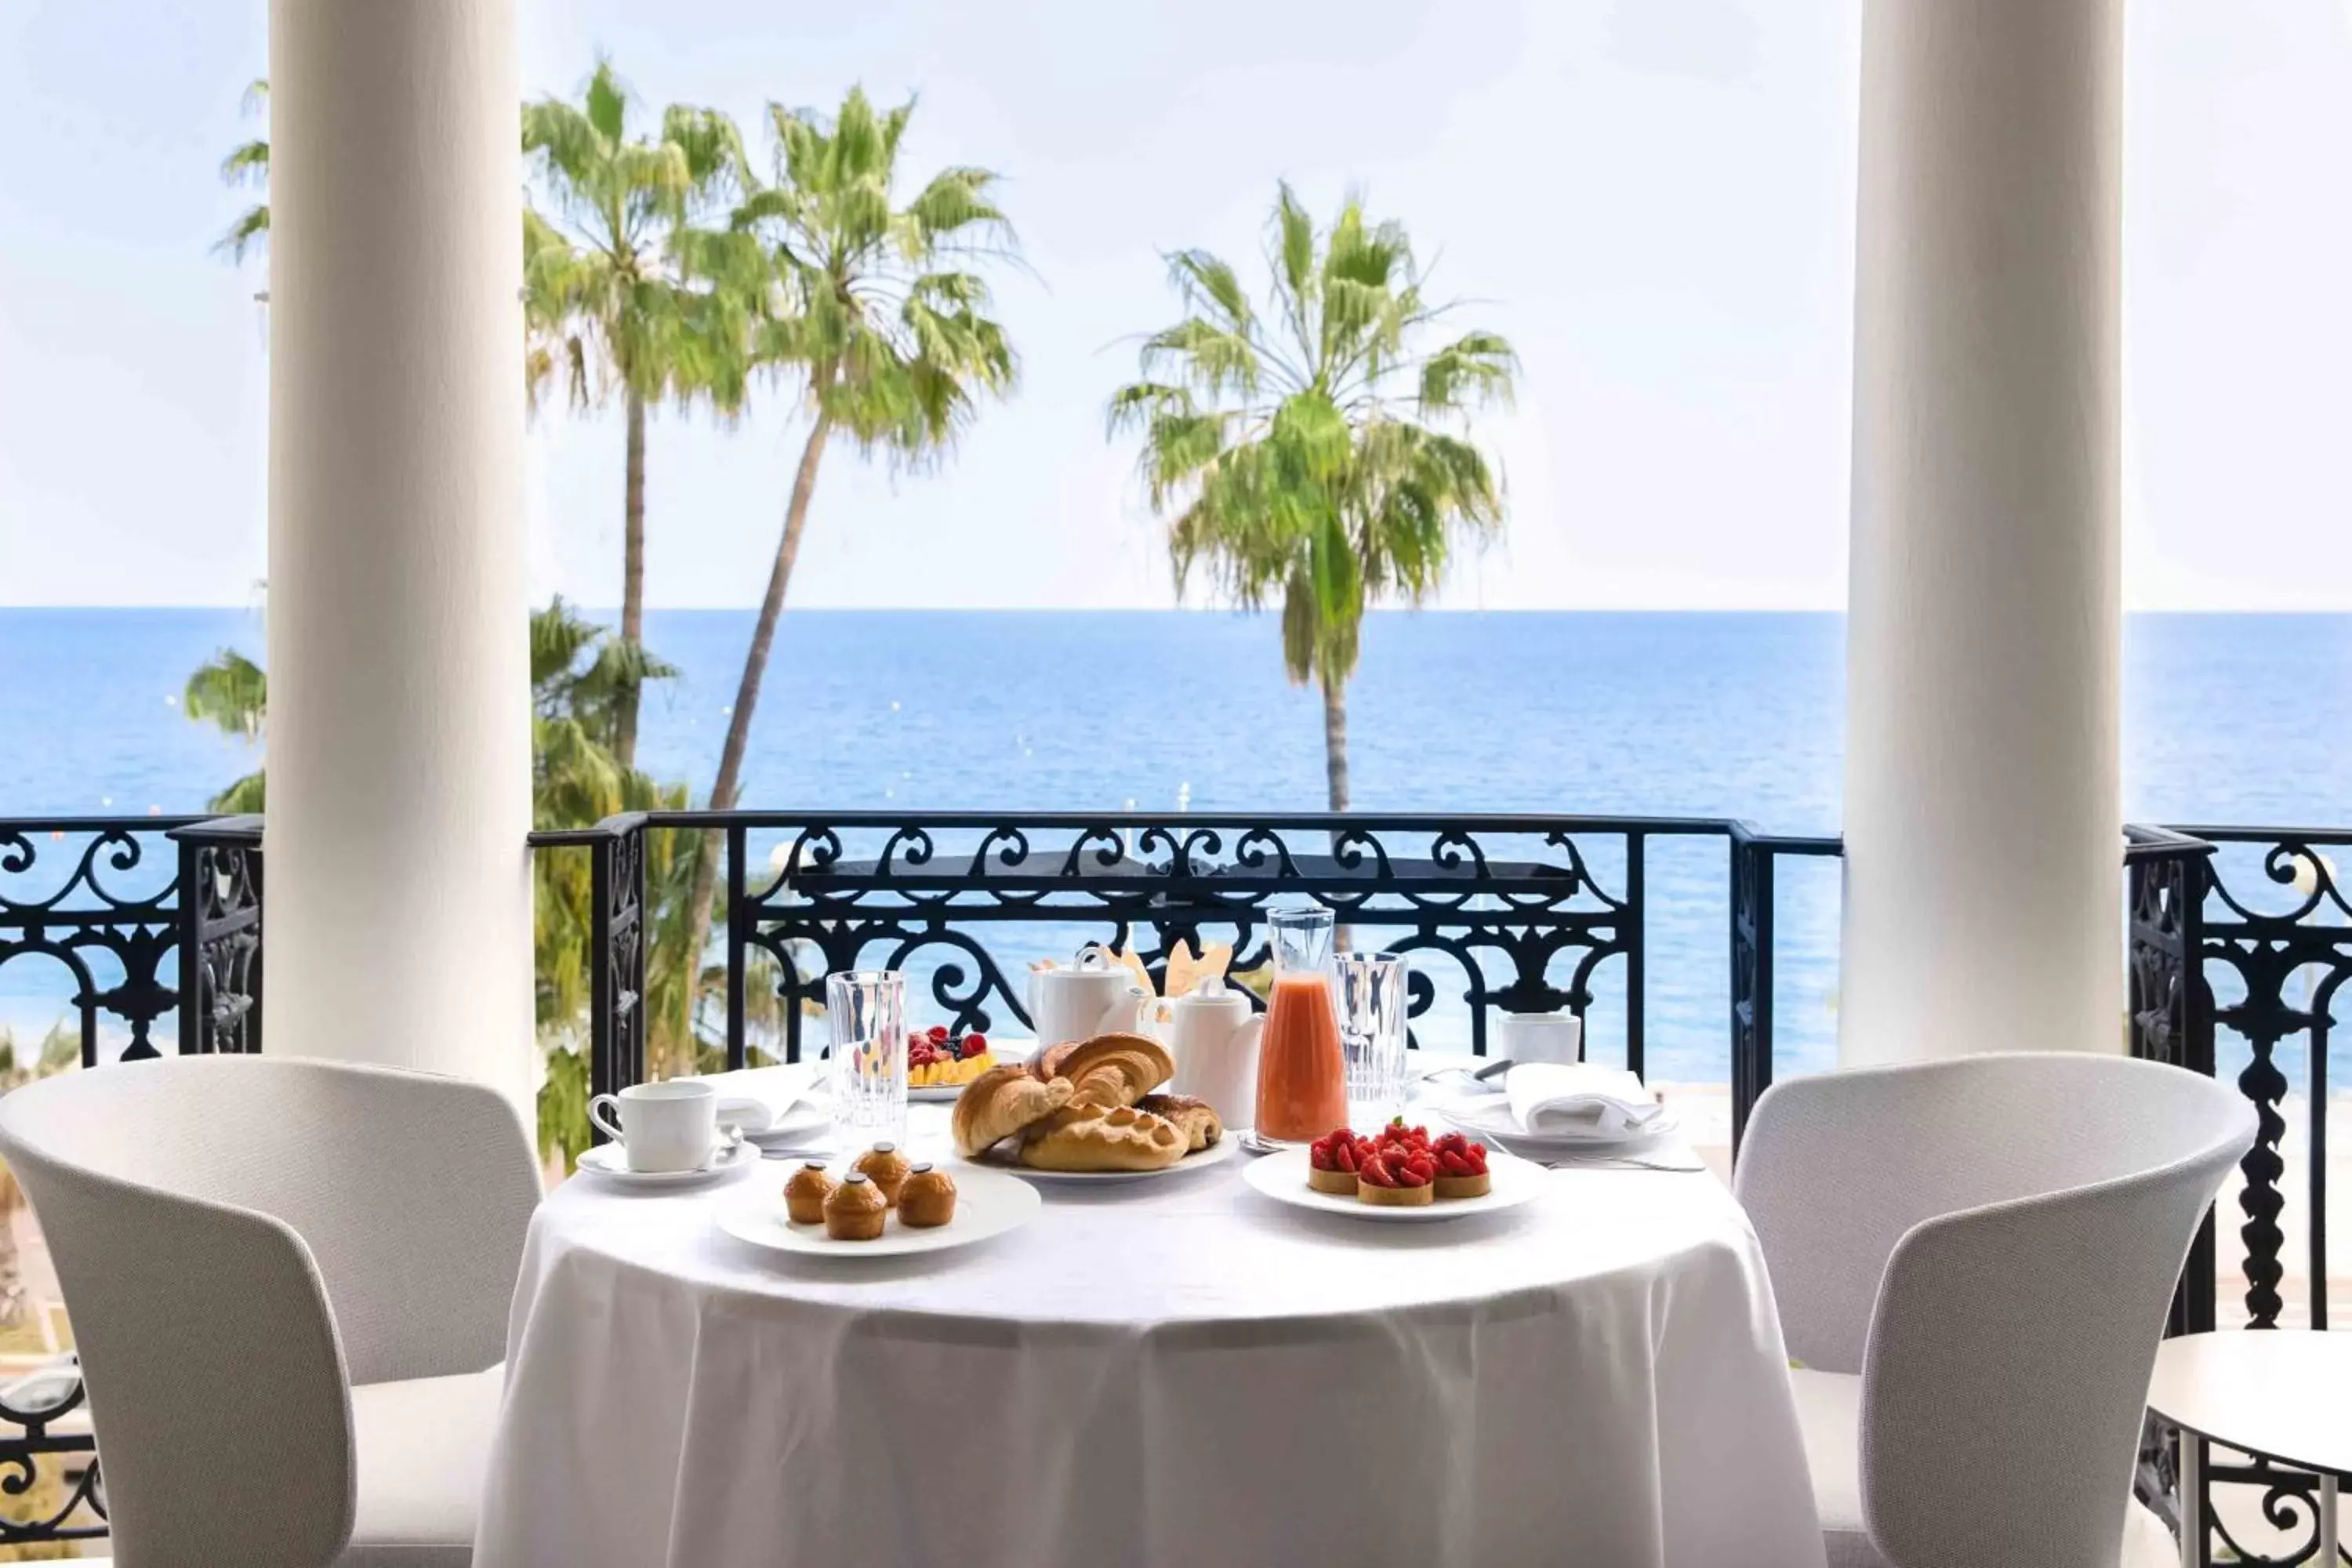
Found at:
(1210, 989)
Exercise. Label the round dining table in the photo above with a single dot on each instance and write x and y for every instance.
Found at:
(1172, 1370)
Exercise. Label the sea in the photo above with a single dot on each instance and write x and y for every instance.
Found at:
(2229, 719)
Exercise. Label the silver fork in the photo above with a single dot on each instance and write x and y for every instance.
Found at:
(1619, 1163)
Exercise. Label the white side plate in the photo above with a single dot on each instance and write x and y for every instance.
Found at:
(1283, 1177)
(987, 1204)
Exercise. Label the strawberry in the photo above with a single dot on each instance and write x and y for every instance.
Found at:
(938, 1032)
(1376, 1170)
(1343, 1158)
(975, 1043)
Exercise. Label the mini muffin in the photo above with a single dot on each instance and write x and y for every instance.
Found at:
(887, 1167)
(855, 1209)
(805, 1194)
(928, 1199)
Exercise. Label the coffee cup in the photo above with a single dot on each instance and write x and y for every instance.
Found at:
(668, 1126)
(1540, 1036)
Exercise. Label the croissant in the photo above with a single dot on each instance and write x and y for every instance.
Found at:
(1089, 1138)
(1002, 1102)
(1112, 1070)
(1194, 1116)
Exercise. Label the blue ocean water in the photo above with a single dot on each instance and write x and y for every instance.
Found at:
(2229, 719)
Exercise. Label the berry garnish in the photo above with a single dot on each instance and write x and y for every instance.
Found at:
(974, 1044)
(938, 1032)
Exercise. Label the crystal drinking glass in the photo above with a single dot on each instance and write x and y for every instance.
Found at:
(867, 1011)
(1370, 993)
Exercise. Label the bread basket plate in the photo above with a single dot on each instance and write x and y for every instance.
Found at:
(1215, 1153)
(988, 1203)
(1283, 1178)
(945, 1093)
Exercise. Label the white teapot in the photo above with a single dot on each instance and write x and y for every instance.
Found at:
(1095, 995)
(1213, 1035)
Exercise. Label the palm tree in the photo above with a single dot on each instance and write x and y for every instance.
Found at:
(232, 692)
(607, 308)
(876, 310)
(248, 168)
(1315, 451)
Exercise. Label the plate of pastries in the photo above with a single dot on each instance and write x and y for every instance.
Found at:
(879, 1204)
(1399, 1173)
(1088, 1111)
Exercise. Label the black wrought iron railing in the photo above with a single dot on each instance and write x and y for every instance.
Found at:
(2240, 940)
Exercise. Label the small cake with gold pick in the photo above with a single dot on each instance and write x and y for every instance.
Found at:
(929, 1199)
(887, 1168)
(855, 1210)
(805, 1192)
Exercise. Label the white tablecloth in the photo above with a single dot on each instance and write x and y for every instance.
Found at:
(1179, 1371)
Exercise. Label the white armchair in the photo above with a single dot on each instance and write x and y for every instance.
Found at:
(1973, 1260)
(288, 1282)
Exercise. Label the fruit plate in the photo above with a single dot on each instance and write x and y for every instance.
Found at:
(1000, 1051)
(988, 1203)
(1283, 1177)
(1215, 1153)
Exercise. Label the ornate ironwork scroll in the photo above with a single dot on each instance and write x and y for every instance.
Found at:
(34, 1405)
(1528, 912)
(2288, 956)
(98, 897)
(220, 935)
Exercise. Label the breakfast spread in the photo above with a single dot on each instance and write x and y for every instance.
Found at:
(805, 1192)
(1397, 1167)
(885, 1168)
(854, 1210)
(1087, 1107)
(928, 1197)
(939, 1059)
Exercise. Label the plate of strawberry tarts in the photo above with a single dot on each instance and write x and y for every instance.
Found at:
(1399, 1174)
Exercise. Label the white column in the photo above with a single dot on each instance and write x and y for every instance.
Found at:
(398, 913)
(1982, 807)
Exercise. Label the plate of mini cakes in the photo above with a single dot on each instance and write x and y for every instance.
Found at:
(1398, 1173)
(880, 1204)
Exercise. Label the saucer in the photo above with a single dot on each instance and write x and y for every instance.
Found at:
(609, 1163)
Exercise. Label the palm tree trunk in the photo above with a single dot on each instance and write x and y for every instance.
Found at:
(633, 574)
(747, 699)
(1335, 740)
(1335, 775)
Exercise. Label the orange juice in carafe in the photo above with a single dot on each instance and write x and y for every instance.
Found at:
(1302, 1087)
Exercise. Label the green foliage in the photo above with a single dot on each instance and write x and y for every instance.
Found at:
(232, 692)
(1315, 452)
(605, 302)
(874, 306)
(248, 168)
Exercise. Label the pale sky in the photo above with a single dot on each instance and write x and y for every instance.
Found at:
(1651, 198)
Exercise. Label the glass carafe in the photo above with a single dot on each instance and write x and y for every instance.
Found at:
(1302, 1081)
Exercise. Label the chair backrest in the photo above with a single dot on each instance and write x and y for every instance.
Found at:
(2010, 1231)
(239, 1239)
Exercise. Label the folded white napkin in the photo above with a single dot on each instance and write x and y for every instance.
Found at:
(758, 1099)
(1579, 1100)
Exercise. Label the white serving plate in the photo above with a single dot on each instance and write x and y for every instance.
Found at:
(607, 1162)
(1007, 1052)
(988, 1203)
(1283, 1178)
(1215, 1153)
